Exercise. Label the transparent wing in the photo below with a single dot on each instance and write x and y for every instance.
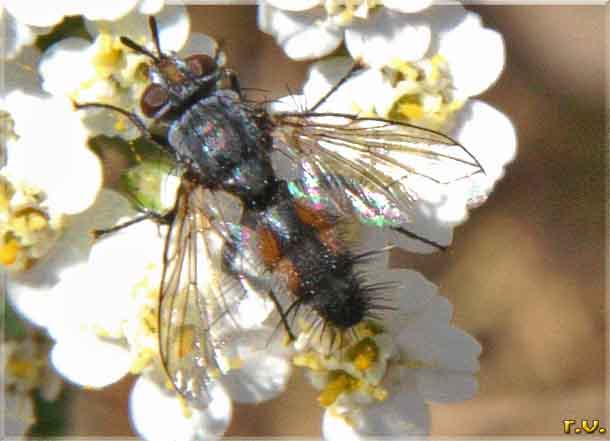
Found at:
(374, 168)
(200, 308)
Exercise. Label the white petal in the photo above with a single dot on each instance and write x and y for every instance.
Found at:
(293, 5)
(173, 24)
(409, 6)
(427, 224)
(16, 35)
(85, 176)
(264, 372)
(441, 346)
(20, 73)
(174, 27)
(87, 361)
(475, 55)
(402, 414)
(491, 138)
(413, 294)
(116, 264)
(446, 387)
(358, 94)
(301, 35)
(324, 74)
(69, 173)
(202, 44)
(159, 414)
(96, 10)
(150, 7)
(385, 36)
(35, 13)
(66, 309)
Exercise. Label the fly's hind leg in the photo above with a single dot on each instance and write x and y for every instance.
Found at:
(355, 67)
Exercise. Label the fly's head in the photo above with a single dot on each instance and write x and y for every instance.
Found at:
(174, 80)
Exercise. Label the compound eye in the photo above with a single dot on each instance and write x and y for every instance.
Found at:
(153, 99)
(201, 65)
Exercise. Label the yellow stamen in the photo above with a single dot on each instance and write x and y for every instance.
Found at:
(379, 393)
(408, 107)
(6, 193)
(37, 221)
(339, 382)
(29, 220)
(309, 360)
(9, 252)
(143, 360)
(414, 364)
(186, 409)
(364, 354)
(119, 124)
(107, 58)
(21, 369)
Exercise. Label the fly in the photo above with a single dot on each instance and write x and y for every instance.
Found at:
(234, 212)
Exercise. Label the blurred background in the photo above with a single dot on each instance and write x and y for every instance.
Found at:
(526, 274)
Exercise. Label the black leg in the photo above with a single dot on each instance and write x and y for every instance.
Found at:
(284, 322)
(349, 73)
(159, 218)
(135, 120)
(412, 235)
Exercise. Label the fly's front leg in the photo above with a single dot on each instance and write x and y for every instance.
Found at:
(134, 119)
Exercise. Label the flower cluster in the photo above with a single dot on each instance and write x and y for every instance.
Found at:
(26, 369)
(99, 301)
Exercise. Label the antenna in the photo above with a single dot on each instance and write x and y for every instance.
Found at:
(136, 47)
(154, 30)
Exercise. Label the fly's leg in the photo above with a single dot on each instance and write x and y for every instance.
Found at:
(412, 235)
(162, 219)
(233, 82)
(357, 65)
(133, 118)
(165, 218)
(283, 317)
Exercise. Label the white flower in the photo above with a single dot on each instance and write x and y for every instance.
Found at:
(312, 29)
(25, 370)
(464, 61)
(106, 71)
(377, 386)
(33, 13)
(35, 293)
(50, 174)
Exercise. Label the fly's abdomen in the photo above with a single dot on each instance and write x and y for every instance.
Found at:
(303, 248)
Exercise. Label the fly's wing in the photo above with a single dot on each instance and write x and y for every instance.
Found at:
(199, 306)
(373, 168)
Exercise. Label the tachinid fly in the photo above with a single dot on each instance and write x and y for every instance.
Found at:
(269, 227)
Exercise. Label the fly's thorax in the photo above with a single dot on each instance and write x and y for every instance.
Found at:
(219, 139)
